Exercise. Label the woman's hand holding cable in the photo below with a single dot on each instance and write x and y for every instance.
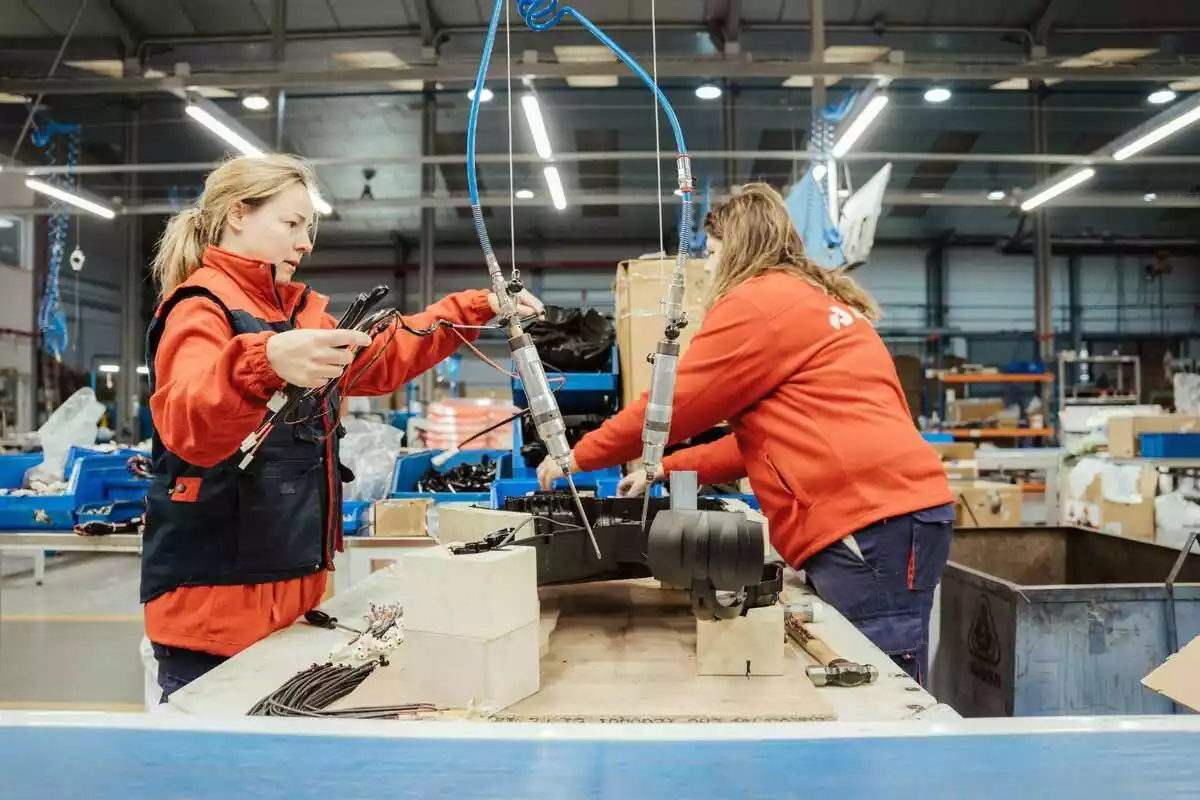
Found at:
(527, 304)
(313, 357)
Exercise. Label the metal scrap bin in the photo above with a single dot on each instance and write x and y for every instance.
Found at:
(1057, 621)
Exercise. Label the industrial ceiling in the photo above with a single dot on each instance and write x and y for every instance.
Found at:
(371, 90)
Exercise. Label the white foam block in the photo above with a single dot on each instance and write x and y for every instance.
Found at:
(749, 645)
(484, 674)
(462, 522)
(482, 595)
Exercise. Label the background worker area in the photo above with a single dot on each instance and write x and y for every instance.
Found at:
(788, 355)
(234, 551)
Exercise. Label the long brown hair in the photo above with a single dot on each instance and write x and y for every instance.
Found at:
(246, 180)
(758, 236)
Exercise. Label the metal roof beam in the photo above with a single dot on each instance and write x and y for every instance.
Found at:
(463, 70)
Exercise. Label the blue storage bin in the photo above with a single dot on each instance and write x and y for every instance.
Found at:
(13, 468)
(355, 516)
(938, 438)
(410, 468)
(93, 479)
(1169, 445)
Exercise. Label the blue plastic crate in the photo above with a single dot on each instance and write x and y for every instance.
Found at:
(575, 382)
(93, 479)
(13, 468)
(410, 468)
(938, 438)
(1169, 445)
(588, 482)
(355, 517)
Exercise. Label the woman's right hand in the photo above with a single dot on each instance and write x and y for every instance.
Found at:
(634, 484)
(313, 357)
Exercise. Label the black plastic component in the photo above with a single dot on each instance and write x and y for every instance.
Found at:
(463, 478)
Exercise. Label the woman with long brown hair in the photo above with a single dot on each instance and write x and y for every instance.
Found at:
(788, 356)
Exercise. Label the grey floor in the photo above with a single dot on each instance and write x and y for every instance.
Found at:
(72, 643)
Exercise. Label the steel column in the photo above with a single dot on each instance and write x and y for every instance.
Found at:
(279, 55)
(1042, 287)
(428, 222)
(128, 381)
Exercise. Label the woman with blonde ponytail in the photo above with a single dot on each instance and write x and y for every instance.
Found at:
(235, 549)
(788, 356)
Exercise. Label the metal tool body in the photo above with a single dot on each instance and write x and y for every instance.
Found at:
(833, 670)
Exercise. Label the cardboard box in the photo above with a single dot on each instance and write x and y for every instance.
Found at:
(958, 458)
(1123, 432)
(971, 409)
(1176, 677)
(1094, 508)
(638, 292)
(400, 517)
(984, 504)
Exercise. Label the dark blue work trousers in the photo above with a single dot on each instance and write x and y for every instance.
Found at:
(882, 579)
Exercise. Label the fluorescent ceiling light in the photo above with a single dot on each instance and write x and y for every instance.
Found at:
(996, 194)
(484, 97)
(155, 74)
(1157, 135)
(537, 125)
(70, 198)
(708, 91)
(143, 370)
(938, 94)
(524, 194)
(1162, 97)
(110, 369)
(227, 134)
(256, 102)
(1185, 85)
(1065, 185)
(860, 124)
(1150, 197)
(319, 204)
(554, 183)
(13, 99)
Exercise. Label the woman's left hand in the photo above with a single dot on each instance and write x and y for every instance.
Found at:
(527, 304)
(549, 471)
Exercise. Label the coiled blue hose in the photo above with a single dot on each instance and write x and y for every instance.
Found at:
(542, 15)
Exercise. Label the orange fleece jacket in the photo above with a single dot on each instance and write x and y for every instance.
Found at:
(820, 424)
(211, 391)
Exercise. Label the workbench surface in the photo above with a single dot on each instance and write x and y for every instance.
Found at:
(234, 687)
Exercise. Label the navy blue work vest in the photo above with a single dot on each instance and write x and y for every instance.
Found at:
(220, 525)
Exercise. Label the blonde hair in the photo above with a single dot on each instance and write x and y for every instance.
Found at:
(758, 236)
(245, 180)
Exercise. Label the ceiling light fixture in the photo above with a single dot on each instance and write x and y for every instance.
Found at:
(1157, 135)
(1162, 97)
(537, 125)
(708, 91)
(1149, 197)
(938, 94)
(484, 97)
(256, 102)
(860, 124)
(524, 194)
(223, 131)
(996, 194)
(1061, 187)
(70, 198)
(554, 183)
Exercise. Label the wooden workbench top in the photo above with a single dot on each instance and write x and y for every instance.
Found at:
(234, 687)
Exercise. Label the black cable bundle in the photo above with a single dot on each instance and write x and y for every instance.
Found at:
(310, 692)
(463, 478)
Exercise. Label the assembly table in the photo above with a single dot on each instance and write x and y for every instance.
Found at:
(235, 686)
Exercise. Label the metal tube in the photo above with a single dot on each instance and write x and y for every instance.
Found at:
(128, 381)
(428, 224)
(701, 155)
(447, 71)
(279, 55)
